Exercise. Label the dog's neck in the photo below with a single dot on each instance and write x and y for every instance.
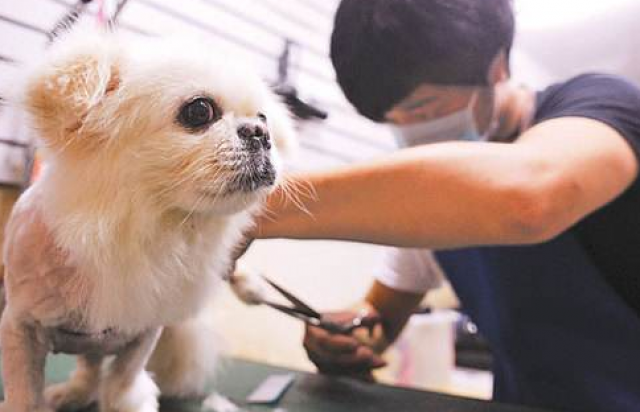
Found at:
(128, 246)
(103, 215)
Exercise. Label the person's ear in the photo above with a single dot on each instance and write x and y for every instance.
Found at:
(76, 77)
(393, 116)
(499, 69)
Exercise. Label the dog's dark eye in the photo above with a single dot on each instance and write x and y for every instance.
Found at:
(198, 113)
(262, 117)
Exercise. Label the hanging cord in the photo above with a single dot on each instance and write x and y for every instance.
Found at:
(68, 20)
(79, 8)
(288, 91)
(102, 13)
(113, 19)
(108, 13)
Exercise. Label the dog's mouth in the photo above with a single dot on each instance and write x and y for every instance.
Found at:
(255, 172)
(254, 175)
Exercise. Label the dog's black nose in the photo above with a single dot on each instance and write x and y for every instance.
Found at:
(255, 136)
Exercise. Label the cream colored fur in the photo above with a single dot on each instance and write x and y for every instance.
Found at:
(247, 285)
(131, 225)
(185, 357)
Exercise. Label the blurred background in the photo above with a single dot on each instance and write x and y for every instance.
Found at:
(287, 41)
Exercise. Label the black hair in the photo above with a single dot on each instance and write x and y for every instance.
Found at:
(383, 49)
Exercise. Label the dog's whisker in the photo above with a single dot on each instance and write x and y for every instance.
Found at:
(294, 192)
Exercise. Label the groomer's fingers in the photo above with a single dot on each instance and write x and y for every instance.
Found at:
(365, 353)
(348, 356)
(320, 338)
(324, 353)
(340, 350)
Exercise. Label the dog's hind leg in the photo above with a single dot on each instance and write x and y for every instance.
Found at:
(126, 386)
(24, 352)
(81, 389)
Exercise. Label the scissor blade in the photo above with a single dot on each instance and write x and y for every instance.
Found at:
(294, 312)
(332, 327)
(300, 305)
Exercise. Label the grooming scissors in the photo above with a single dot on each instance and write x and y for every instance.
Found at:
(310, 316)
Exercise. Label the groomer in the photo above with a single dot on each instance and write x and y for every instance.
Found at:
(532, 200)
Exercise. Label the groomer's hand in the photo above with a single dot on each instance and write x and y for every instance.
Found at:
(352, 355)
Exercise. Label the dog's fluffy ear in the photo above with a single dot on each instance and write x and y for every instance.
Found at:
(77, 74)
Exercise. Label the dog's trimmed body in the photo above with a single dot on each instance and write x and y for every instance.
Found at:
(133, 221)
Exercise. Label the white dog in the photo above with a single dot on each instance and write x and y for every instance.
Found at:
(157, 154)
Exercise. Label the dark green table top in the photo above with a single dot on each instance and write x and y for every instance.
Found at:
(311, 392)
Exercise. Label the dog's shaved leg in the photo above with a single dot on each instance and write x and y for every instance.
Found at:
(127, 387)
(24, 351)
(81, 389)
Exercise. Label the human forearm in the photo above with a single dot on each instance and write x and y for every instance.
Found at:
(465, 194)
(450, 195)
(394, 308)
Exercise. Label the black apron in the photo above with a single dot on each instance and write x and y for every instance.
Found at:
(561, 336)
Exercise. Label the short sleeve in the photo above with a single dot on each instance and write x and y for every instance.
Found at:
(410, 270)
(609, 99)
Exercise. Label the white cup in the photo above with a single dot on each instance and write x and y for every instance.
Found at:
(425, 352)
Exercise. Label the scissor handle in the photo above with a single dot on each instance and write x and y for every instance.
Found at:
(363, 320)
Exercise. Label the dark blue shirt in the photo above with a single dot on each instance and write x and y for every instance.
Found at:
(611, 235)
(562, 316)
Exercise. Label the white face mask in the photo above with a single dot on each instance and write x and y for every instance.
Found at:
(460, 125)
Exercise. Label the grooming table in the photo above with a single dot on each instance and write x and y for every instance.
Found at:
(311, 392)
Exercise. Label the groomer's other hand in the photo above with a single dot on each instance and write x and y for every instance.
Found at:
(347, 355)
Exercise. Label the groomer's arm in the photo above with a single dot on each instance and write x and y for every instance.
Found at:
(459, 194)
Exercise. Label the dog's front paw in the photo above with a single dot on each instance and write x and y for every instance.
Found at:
(70, 396)
(248, 285)
(140, 396)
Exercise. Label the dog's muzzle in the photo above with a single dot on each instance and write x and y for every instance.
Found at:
(257, 173)
(257, 170)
